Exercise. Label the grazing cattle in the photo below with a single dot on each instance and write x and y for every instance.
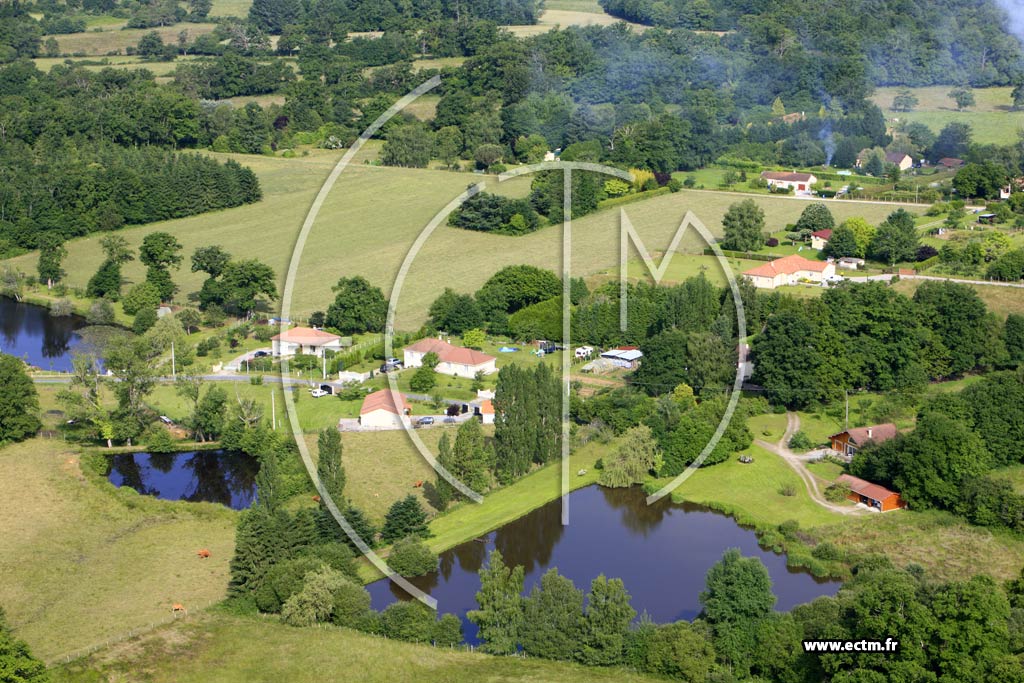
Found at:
(178, 608)
(316, 499)
(203, 554)
(418, 484)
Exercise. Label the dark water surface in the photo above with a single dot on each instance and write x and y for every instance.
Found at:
(661, 552)
(208, 476)
(31, 333)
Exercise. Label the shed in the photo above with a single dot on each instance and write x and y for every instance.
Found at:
(872, 495)
(384, 409)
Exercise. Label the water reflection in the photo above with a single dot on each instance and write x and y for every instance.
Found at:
(31, 333)
(207, 476)
(662, 553)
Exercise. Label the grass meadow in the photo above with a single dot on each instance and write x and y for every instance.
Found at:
(225, 649)
(991, 118)
(374, 214)
(82, 563)
(103, 42)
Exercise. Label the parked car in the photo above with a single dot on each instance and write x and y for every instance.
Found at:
(261, 354)
(393, 361)
(317, 393)
(428, 420)
(166, 420)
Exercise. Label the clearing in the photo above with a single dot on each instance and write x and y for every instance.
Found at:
(991, 118)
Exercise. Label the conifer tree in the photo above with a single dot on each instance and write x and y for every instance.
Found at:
(328, 466)
(405, 518)
(500, 617)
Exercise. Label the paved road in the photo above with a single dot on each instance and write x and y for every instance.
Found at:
(886, 277)
(799, 466)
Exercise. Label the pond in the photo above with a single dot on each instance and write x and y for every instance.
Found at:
(661, 552)
(32, 334)
(208, 476)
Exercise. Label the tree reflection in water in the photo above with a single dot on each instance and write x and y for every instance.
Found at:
(210, 476)
(637, 516)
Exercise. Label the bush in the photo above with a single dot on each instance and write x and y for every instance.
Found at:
(787, 490)
(101, 313)
(925, 252)
(144, 320)
(674, 185)
(789, 528)
(772, 242)
(800, 441)
(837, 493)
(410, 621)
(827, 551)
(161, 441)
(411, 557)
(351, 607)
(284, 580)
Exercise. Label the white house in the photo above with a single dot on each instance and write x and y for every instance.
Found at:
(487, 412)
(850, 263)
(800, 183)
(384, 409)
(453, 360)
(304, 340)
(820, 238)
(790, 270)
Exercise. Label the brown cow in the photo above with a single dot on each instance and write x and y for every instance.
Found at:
(177, 608)
(316, 499)
(203, 554)
(418, 484)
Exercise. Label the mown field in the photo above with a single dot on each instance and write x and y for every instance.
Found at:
(99, 43)
(374, 215)
(82, 563)
(225, 649)
(1001, 300)
(991, 118)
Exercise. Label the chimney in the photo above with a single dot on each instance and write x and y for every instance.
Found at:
(869, 432)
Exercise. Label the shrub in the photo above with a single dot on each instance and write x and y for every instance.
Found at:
(144, 320)
(101, 313)
(351, 607)
(674, 185)
(161, 441)
(410, 621)
(789, 528)
(837, 492)
(284, 580)
(787, 490)
(800, 441)
(827, 551)
(411, 557)
(772, 242)
(925, 252)
(62, 308)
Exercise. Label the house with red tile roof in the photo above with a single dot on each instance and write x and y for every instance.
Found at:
(872, 495)
(800, 183)
(384, 409)
(820, 238)
(789, 270)
(486, 411)
(453, 360)
(304, 340)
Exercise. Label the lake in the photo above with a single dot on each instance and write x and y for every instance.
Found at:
(661, 552)
(208, 476)
(32, 334)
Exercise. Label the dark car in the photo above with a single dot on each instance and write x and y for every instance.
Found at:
(261, 354)
(428, 420)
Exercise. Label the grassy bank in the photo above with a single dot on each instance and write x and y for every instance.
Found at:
(225, 649)
(82, 563)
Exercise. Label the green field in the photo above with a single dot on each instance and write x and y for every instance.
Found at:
(99, 43)
(1001, 300)
(355, 236)
(83, 563)
(991, 118)
(225, 649)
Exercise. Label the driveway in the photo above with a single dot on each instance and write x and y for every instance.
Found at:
(799, 465)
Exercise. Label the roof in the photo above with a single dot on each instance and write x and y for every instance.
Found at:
(385, 399)
(850, 259)
(950, 161)
(791, 177)
(825, 234)
(866, 488)
(787, 265)
(306, 335)
(879, 433)
(896, 157)
(487, 407)
(450, 354)
(624, 354)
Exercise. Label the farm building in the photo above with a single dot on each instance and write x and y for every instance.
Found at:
(872, 495)
(820, 238)
(454, 360)
(789, 270)
(624, 357)
(800, 183)
(486, 411)
(850, 263)
(384, 409)
(901, 160)
(847, 443)
(304, 340)
(949, 163)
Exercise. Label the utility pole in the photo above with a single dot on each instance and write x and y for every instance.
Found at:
(847, 424)
(273, 409)
(174, 373)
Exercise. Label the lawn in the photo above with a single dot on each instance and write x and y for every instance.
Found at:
(768, 427)
(83, 563)
(227, 649)
(1001, 300)
(357, 235)
(991, 118)
(99, 43)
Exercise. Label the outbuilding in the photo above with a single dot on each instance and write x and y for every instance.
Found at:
(872, 495)
(384, 409)
(624, 357)
(820, 238)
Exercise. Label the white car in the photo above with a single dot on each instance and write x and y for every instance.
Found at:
(317, 393)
